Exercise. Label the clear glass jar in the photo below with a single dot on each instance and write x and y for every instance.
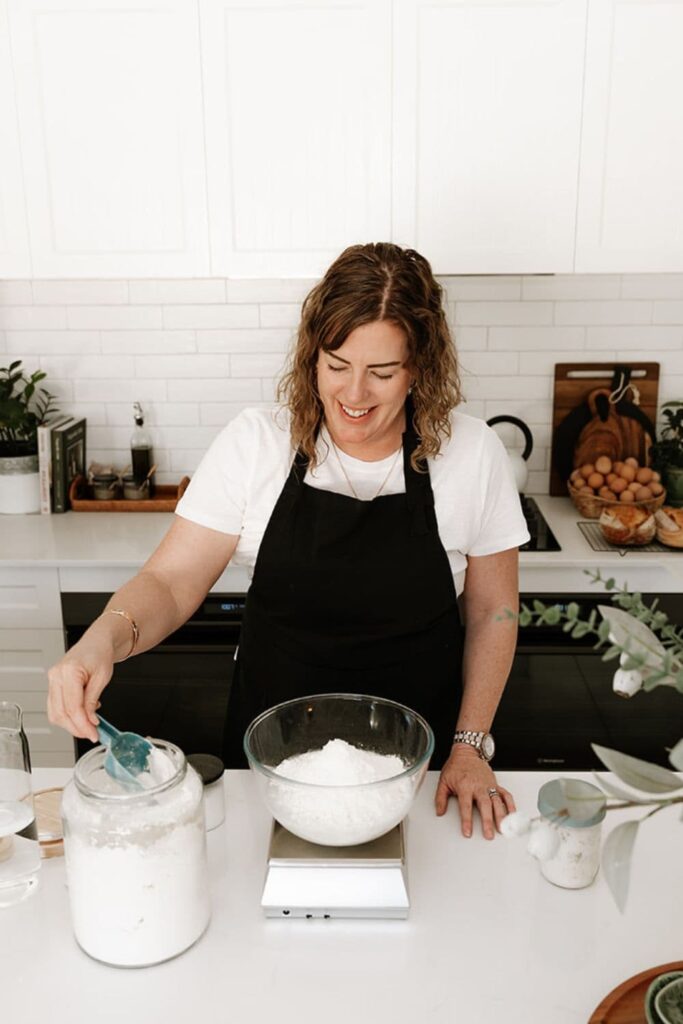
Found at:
(136, 862)
(19, 849)
(575, 810)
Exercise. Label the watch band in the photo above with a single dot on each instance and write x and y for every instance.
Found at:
(481, 741)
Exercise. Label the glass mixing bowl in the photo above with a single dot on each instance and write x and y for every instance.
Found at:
(338, 815)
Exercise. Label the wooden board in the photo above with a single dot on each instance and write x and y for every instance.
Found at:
(626, 1003)
(575, 381)
(166, 497)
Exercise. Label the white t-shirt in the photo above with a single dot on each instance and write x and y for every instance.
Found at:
(239, 480)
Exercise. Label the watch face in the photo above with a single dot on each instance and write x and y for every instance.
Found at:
(488, 746)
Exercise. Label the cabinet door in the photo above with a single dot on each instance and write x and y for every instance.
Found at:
(14, 251)
(298, 120)
(630, 211)
(109, 100)
(25, 657)
(487, 111)
(29, 599)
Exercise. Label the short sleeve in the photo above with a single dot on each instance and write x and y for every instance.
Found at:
(217, 494)
(502, 523)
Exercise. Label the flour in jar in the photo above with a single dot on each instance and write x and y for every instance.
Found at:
(339, 805)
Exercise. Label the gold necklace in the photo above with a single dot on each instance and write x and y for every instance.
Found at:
(346, 476)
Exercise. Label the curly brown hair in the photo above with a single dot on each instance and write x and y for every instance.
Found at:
(366, 284)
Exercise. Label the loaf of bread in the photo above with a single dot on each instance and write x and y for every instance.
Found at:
(669, 522)
(627, 525)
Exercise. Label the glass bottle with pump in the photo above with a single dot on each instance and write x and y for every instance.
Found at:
(142, 454)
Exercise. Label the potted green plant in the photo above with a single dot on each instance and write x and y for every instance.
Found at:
(666, 454)
(23, 407)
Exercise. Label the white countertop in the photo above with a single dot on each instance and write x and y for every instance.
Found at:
(123, 541)
(488, 939)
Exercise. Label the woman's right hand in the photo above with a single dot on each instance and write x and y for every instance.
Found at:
(75, 685)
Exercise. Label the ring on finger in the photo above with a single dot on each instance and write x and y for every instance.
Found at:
(493, 792)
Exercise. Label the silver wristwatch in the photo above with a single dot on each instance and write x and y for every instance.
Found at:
(482, 742)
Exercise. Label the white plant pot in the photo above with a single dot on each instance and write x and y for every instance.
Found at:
(19, 484)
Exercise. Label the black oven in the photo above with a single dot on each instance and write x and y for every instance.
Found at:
(178, 690)
(558, 699)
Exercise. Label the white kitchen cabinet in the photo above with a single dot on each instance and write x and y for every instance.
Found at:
(487, 121)
(25, 657)
(630, 210)
(29, 598)
(298, 119)
(110, 115)
(15, 259)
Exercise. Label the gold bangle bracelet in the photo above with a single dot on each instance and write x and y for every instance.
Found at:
(133, 625)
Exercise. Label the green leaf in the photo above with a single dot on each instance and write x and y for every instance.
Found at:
(552, 615)
(572, 610)
(539, 607)
(610, 653)
(621, 794)
(525, 617)
(579, 630)
(650, 778)
(616, 860)
(676, 756)
(610, 584)
(629, 633)
(603, 630)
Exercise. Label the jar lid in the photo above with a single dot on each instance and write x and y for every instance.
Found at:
(208, 767)
(572, 803)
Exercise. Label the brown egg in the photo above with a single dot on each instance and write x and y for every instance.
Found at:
(632, 462)
(586, 490)
(608, 495)
(618, 466)
(576, 475)
(587, 470)
(619, 484)
(603, 465)
(644, 494)
(627, 496)
(595, 480)
(635, 486)
(656, 488)
(644, 475)
(627, 472)
(611, 477)
(656, 476)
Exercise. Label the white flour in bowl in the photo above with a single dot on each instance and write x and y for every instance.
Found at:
(339, 805)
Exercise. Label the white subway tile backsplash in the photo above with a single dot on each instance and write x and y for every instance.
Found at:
(16, 293)
(32, 318)
(245, 340)
(268, 291)
(622, 311)
(176, 292)
(149, 342)
(114, 317)
(531, 339)
(482, 288)
(195, 352)
(574, 286)
(256, 366)
(79, 293)
(53, 342)
(180, 367)
(496, 313)
(210, 316)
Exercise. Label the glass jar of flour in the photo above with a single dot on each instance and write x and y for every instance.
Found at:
(136, 860)
(575, 810)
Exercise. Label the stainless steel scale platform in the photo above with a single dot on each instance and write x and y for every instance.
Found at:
(305, 880)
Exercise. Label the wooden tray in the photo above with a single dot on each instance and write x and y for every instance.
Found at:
(575, 381)
(166, 497)
(626, 1003)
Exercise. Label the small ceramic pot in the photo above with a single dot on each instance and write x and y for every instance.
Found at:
(105, 486)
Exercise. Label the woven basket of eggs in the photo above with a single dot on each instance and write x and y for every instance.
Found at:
(602, 484)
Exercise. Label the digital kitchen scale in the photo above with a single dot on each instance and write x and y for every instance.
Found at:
(309, 881)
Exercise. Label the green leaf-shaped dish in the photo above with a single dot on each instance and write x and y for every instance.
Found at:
(657, 986)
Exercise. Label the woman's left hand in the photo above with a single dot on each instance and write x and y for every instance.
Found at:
(469, 778)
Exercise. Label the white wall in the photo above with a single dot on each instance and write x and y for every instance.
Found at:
(195, 352)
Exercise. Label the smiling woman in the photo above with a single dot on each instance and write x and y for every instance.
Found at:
(363, 507)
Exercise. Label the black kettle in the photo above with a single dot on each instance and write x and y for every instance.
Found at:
(517, 461)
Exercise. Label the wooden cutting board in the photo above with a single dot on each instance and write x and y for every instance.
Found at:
(626, 1003)
(574, 382)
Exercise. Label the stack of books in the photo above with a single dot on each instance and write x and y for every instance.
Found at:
(61, 458)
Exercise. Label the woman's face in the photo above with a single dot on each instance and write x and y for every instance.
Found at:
(363, 387)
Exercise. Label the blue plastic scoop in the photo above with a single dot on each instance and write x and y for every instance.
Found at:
(127, 754)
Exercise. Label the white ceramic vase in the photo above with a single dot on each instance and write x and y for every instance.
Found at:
(19, 484)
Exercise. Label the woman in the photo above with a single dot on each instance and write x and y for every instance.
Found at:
(363, 505)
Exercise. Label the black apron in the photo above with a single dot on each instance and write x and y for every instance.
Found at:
(350, 596)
